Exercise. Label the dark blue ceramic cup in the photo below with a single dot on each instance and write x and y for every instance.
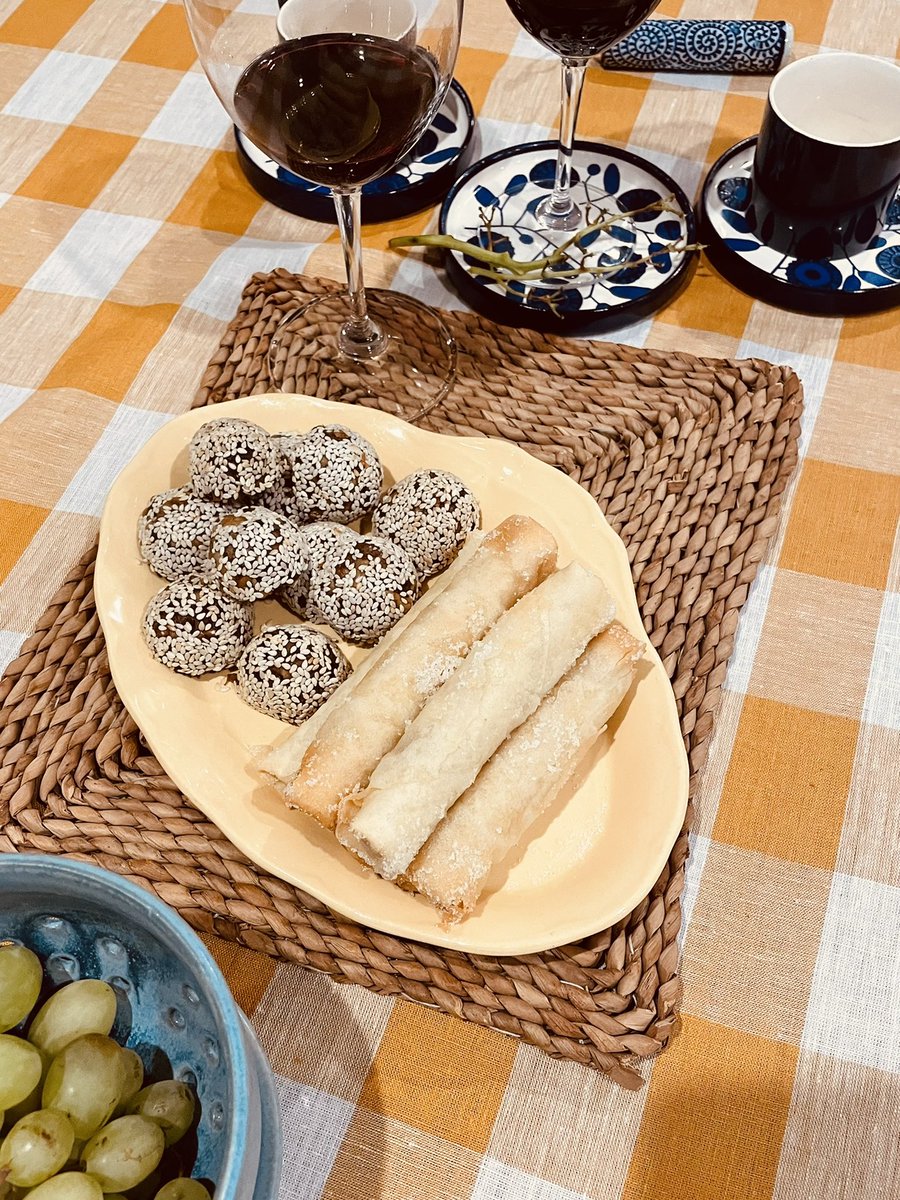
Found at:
(827, 163)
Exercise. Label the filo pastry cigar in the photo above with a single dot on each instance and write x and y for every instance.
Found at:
(370, 718)
(522, 778)
(499, 684)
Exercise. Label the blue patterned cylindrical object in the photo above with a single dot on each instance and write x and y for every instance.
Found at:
(703, 47)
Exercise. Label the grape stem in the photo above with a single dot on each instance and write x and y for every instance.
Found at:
(501, 266)
(575, 272)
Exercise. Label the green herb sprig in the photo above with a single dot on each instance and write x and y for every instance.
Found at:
(551, 269)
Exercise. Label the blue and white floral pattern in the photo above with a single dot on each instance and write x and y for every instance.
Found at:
(442, 142)
(727, 196)
(493, 206)
(708, 47)
(888, 259)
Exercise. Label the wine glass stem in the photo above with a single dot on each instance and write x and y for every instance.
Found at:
(360, 338)
(559, 210)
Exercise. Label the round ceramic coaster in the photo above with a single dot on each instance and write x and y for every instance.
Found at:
(608, 277)
(865, 282)
(420, 179)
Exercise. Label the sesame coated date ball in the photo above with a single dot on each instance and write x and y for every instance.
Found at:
(232, 460)
(192, 627)
(279, 496)
(430, 514)
(254, 552)
(321, 541)
(288, 671)
(366, 588)
(174, 532)
(336, 475)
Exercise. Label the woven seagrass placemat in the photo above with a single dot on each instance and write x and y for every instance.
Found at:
(687, 457)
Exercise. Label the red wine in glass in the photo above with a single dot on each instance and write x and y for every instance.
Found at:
(338, 109)
(580, 28)
(576, 30)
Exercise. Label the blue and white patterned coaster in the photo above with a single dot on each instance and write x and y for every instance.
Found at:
(865, 282)
(420, 179)
(643, 253)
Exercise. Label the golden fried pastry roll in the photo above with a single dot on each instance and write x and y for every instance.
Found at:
(521, 779)
(500, 683)
(364, 722)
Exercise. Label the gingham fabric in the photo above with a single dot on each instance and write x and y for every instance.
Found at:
(126, 234)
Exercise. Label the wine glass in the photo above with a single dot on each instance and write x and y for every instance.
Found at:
(338, 92)
(576, 30)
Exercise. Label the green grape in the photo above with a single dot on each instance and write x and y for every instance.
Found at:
(132, 1074)
(36, 1147)
(124, 1152)
(20, 1070)
(183, 1189)
(70, 1185)
(85, 1081)
(20, 984)
(170, 1104)
(85, 1006)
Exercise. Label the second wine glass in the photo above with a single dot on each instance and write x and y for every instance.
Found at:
(576, 30)
(338, 91)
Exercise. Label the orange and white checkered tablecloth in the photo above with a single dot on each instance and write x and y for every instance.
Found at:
(126, 234)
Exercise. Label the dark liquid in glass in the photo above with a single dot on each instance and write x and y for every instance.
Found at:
(580, 28)
(338, 109)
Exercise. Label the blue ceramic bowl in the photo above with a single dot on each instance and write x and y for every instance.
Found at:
(174, 1006)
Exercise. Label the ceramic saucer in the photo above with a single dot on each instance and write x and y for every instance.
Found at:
(505, 188)
(868, 281)
(419, 180)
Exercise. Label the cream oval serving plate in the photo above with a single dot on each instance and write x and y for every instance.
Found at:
(589, 860)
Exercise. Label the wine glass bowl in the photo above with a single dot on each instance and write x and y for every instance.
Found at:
(337, 109)
(338, 92)
(580, 28)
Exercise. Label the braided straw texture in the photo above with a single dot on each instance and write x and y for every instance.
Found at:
(688, 459)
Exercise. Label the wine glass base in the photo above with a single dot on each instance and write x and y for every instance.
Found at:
(409, 378)
(562, 222)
